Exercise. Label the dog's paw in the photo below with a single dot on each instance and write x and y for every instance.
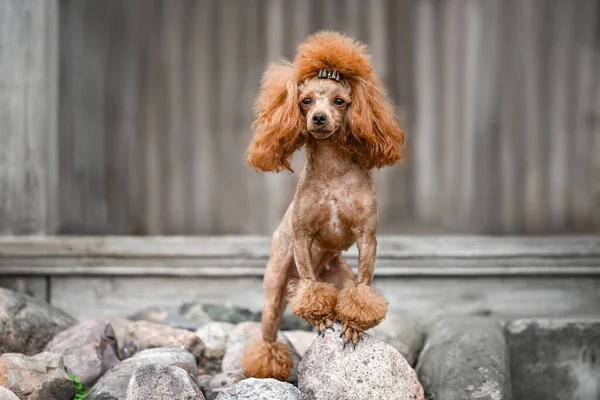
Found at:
(360, 307)
(313, 301)
(351, 335)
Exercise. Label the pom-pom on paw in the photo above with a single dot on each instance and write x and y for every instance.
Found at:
(313, 301)
(360, 307)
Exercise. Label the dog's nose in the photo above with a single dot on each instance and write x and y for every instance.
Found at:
(319, 119)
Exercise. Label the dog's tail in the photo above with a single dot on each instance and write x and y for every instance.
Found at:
(263, 359)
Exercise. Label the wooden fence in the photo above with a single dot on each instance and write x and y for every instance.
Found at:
(500, 100)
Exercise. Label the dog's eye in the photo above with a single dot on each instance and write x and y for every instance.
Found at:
(306, 101)
(339, 102)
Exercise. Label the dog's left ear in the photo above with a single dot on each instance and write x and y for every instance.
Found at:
(375, 137)
(278, 127)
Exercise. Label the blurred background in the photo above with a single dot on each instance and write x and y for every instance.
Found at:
(500, 101)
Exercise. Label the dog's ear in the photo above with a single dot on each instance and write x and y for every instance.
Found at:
(279, 128)
(375, 138)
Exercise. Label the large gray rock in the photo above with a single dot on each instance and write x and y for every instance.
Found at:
(554, 359)
(89, 349)
(465, 358)
(143, 335)
(372, 370)
(260, 389)
(40, 377)
(236, 344)
(214, 336)
(113, 384)
(211, 386)
(405, 334)
(27, 325)
(6, 394)
(159, 382)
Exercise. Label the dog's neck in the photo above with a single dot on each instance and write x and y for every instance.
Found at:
(326, 156)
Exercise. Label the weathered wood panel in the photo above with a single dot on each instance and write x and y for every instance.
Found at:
(500, 101)
(428, 276)
(28, 116)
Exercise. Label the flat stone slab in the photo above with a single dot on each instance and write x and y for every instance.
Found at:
(465, 358)
(554, 360)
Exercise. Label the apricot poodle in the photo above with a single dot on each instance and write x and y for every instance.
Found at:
(330, 102)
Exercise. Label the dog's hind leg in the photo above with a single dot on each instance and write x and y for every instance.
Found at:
(265, 357)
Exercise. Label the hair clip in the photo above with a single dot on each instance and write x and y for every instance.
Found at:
(332, 74)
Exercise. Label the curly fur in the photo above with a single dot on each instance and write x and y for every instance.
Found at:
(347, 128)
(278, 128)
(311, 300)
(374, 138)
(360, 307)
(263, 359)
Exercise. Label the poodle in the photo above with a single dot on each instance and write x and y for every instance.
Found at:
(330, 102)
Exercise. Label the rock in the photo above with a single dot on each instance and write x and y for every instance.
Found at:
(465, 358)
(41, 376)
(120, 327)
(236, 344)
(27, 325)
(6, 394)
(214, 336)
(554, 359)
(209, 312)
(181, 322)
(300, 340)
(372, 370)
(113, 384)
(260, 389)
(405, 334)
(212, 385)
(143, 335)
(150, 314)
(89, 349)
(159, 382)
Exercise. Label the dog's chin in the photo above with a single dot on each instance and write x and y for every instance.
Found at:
(321, 134)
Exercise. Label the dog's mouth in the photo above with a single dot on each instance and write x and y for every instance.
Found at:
(321, 133)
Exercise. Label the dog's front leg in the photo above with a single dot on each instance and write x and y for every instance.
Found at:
(314, 301)
(359, 307)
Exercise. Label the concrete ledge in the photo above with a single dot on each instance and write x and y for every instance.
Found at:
(555, 359)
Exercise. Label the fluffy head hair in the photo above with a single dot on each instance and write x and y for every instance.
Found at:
(373, 136)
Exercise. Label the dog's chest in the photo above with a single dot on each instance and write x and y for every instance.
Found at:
(336, 215)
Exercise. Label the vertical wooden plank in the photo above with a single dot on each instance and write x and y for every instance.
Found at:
(480, 197)
(511, 121)
(427, 194)
(205, 189)
(175, 39)
(560, 81)
(535, 202)
(153, 122)
(583, 191)
(452, 112)
(400, 84)
(253, 54)
(28, 109)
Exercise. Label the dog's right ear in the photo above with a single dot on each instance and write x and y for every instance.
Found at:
(279, 128)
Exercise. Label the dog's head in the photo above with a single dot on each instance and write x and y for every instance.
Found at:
(330, 92)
